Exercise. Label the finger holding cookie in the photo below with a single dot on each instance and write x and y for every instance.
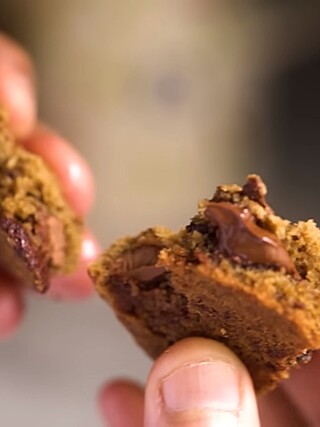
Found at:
(197, 382)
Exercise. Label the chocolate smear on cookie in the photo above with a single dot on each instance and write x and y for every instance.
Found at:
(239, 237)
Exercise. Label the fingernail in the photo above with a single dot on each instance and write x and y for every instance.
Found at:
(90, 248)
(208, 389)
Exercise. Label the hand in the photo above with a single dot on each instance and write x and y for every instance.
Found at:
(17, 96)
(200, 383)
(197, 382)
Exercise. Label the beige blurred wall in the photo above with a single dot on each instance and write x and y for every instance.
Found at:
(149, 94)
(140, 108)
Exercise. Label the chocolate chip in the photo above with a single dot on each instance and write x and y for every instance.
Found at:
(254, 189)
(305, 357)
(200, 227)
(122, 293)
(20, 256)
(240, 238)
(299, 305)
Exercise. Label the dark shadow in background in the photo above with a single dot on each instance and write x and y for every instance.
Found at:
(17, 18)
(295, 139)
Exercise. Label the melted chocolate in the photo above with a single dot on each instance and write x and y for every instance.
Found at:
(20, 257)
(146, 273)
(239, 237)
(140, 264)
(137, 265)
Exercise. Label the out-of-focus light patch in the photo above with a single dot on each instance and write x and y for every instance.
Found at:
(75, 171)
(89, 249)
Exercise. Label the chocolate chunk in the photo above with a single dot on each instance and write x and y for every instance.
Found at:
(20, 258)
(305, 358)
(123, 298)
(255, 189)
(241, 238)
(143, 255)
(200, 227)
(146, 273)
(140, 264)
(40, 235)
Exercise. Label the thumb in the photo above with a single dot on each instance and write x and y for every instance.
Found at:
(199, 382)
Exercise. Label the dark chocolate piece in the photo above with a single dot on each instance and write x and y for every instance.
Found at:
(255, 190)
(146, 273)
(20, 257)
(305, 358)
(240, 237)
(140, 264)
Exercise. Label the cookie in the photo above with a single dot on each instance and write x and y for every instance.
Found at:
(237, 273)
(39, 233)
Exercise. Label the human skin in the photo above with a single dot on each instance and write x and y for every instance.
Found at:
(18, 97)
(191, 385)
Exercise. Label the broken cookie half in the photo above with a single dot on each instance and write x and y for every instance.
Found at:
(237, 273)
(39, 234)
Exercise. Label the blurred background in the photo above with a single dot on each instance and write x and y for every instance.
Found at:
(165, 100)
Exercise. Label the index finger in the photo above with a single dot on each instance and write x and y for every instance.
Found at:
(70, 168)
(17, 87)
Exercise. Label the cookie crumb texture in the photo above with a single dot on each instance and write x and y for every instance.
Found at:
(39, 234)
(237, 273)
